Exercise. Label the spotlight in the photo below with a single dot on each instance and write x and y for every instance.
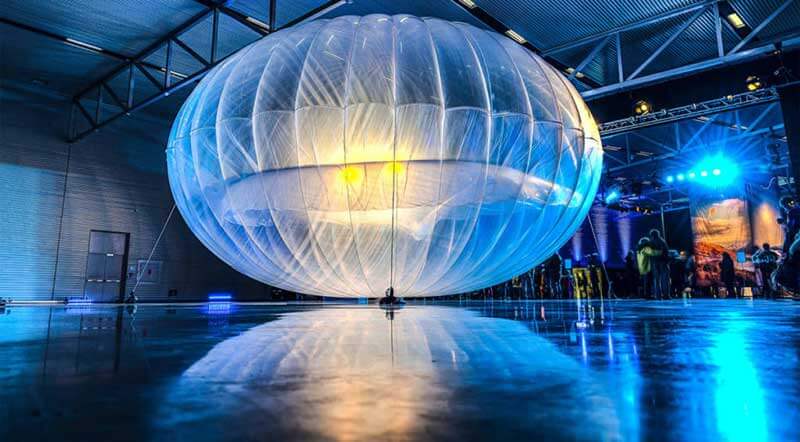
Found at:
(754, 83)
(692, 175)
(642, 107)
(613, 195)
(681, 177)
(712, 168)
(670, 179)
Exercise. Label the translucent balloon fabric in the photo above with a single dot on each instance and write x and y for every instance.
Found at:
(344, 156)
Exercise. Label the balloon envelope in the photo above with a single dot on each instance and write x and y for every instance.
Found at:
(344, 156)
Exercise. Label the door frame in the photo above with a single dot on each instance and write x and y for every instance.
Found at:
(124, 277)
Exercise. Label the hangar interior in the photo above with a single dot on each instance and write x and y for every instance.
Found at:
(627, 160)
(88, 104)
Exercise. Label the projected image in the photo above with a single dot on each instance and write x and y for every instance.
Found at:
(345, 156)
(720, 227)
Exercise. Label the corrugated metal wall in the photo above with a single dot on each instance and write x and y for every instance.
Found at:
(116, 181)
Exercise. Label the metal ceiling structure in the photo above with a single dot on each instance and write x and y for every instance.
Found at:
(174, 74)
(685, 38)
(117, 58)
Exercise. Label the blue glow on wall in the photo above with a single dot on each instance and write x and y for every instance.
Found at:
(324, 159)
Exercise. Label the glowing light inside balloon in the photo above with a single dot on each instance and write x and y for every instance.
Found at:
(343, 156)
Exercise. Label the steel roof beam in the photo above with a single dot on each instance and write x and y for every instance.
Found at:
(168, 87)
(669, 41)
(630, 27)
(586, 60)
(63, 39)
(790, 41)
(149, 50)
(761, 26)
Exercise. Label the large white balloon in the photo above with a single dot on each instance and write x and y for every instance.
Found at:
(343, 156)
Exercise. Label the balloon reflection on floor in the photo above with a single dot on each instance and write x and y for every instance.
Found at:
(349, 373)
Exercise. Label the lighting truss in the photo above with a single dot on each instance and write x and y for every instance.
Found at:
(169, 81)
(693, 143)
(695, 110)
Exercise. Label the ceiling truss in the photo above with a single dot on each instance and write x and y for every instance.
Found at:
(638, 76)
(168, 81)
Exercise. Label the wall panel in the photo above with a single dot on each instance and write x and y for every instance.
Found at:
(116, 181)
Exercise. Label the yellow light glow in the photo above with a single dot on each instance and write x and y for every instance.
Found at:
(350, 175)
(395, 167)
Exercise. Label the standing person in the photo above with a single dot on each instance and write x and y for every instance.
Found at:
(758, 289)
(728, 274)
(787, 276)
(552, 275)
(690, 270)
(516, 287)
(631, 275)
(645, 253)
(594, 267)
(677, 268)
(660, 267)
(790, 219)
(766, 261)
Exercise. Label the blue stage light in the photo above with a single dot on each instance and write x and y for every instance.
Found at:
(718, 171)
(219, 297)
(681, 177)
(692, 175)
(670, 179)
(613, 196)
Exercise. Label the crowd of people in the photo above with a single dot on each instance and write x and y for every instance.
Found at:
(653, 270)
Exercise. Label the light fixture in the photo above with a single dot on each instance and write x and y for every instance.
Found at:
(692, 175)
(642, 107)
(219, 297)
(704, 173)
(735, 20)
(258, 23)
(324, 11)
(468, 3)
(670, 179)
(82, 45)
(681, 177)
(516, 37)
(753, 83)
(175, 73)
(613, 195)
(716, 172)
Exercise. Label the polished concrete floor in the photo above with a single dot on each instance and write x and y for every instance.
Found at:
(630, 370)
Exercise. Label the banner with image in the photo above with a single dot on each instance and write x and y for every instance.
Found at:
(721, 226)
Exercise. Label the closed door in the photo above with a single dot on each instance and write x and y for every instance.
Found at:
(105, 265)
